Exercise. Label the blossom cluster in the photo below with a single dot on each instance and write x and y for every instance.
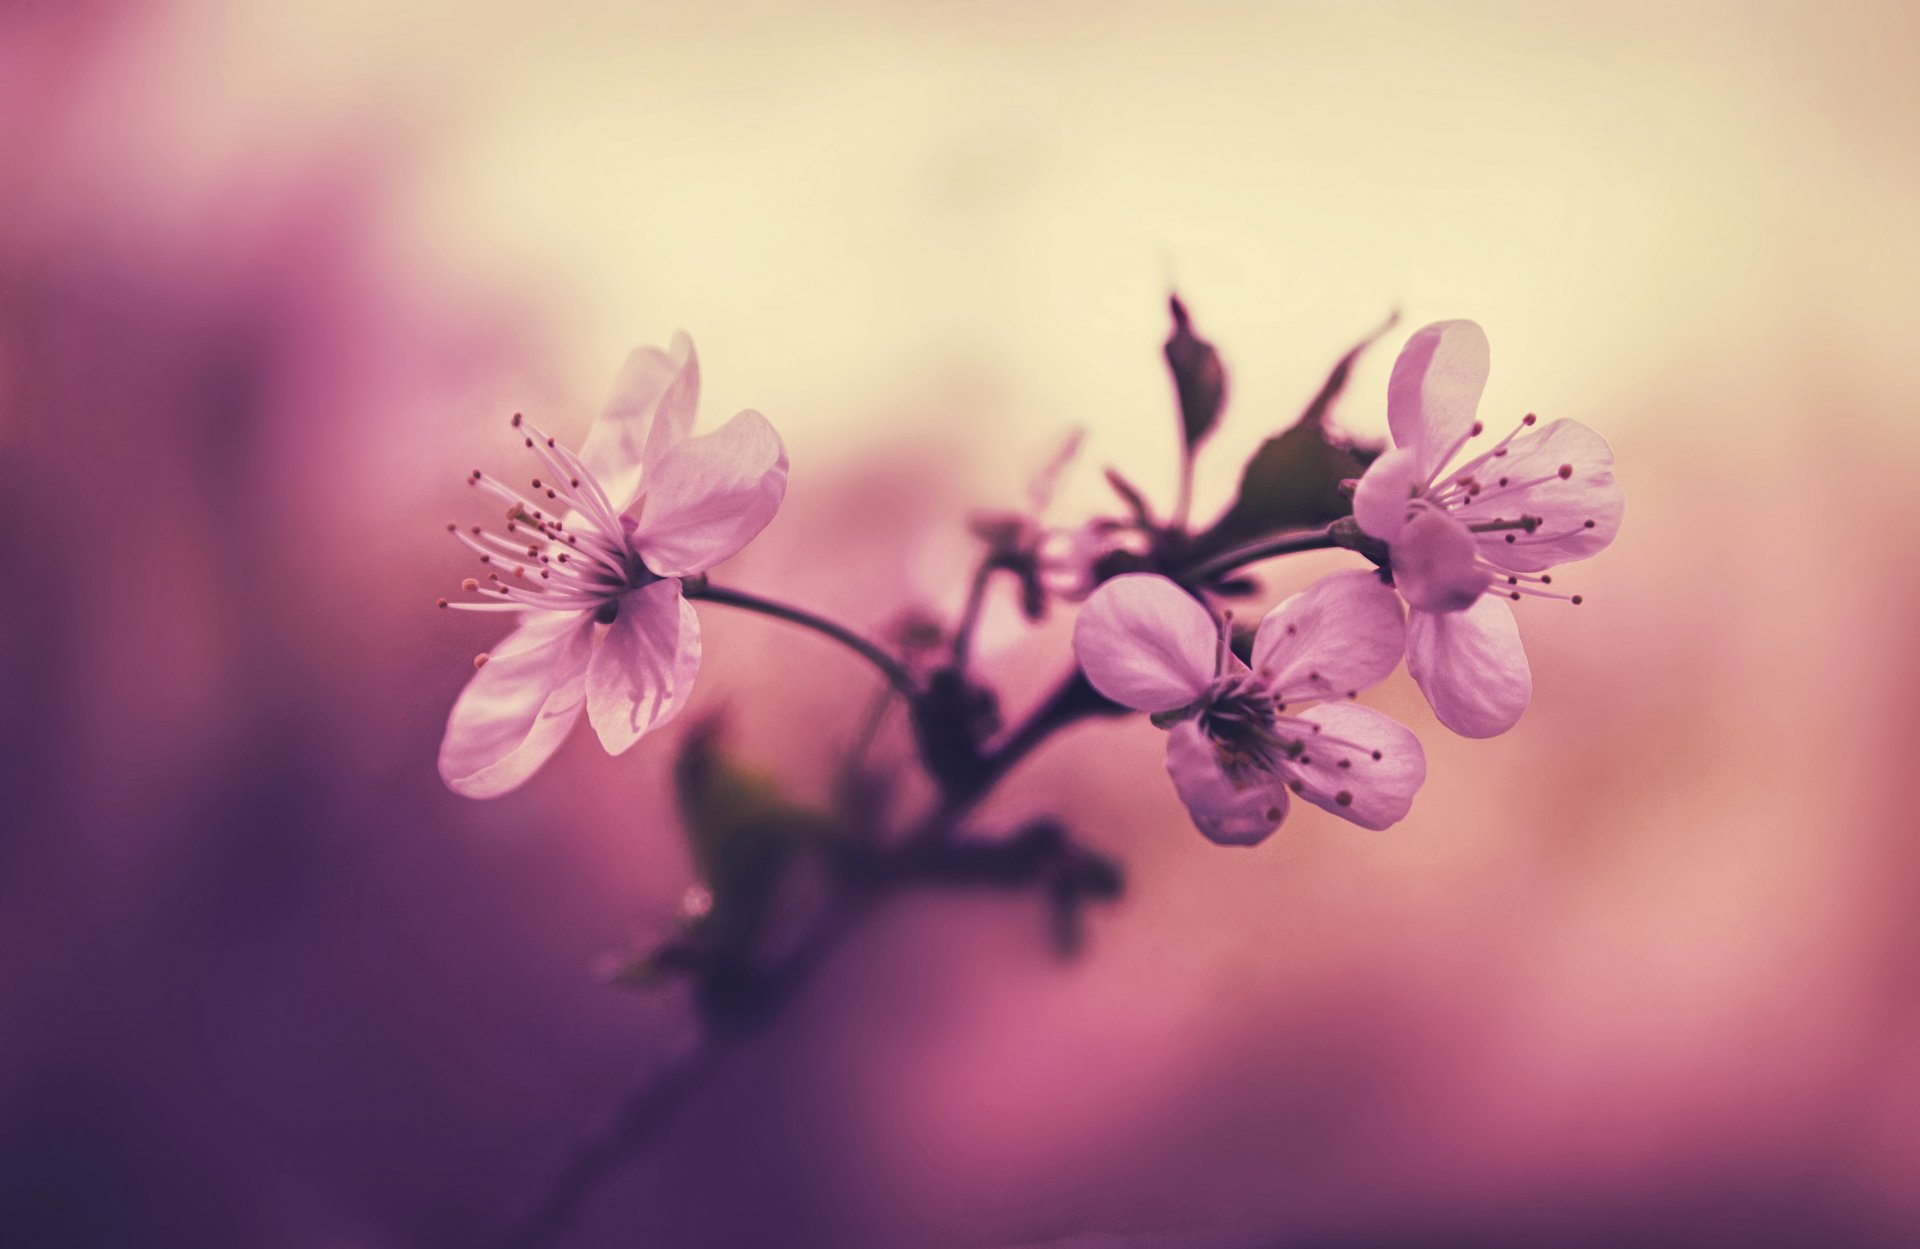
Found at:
(602, 550)
(1464, 538)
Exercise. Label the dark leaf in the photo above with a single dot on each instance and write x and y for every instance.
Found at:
(1294, 480)
(1199, 379)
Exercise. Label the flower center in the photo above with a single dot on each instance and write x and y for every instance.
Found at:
(1240, 716)
(565, 547)
(1466, 494)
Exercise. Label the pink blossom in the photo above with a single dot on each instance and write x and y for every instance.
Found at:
(1464, 539)
(1236, 752)
(591, 562)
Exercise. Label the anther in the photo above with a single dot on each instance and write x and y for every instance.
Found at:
(1376, 756)
(480, 661)
(1588, 525)
(469, 585)
(516, 420)
(1478, 429)
(451, 527)
(1528, 419)
(1344, 763)
(1566, 472)
(442, 602)
(1344, 798)
(1576, 600)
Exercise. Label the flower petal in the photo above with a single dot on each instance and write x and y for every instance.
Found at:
(1228, 813)
(643, 672)
(1339, 773)
(1579, 513)
(709, 496)
(1436, 564)
(1389, 484)
(652, 409)
(1337, 637)
(518, 707)
(1145, 643)
(1471, 667)
(1435, 391)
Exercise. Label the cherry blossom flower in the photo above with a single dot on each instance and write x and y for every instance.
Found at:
(590, 563)
(1466, 539)
(1236, 750)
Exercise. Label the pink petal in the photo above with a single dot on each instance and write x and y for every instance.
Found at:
(1230, 814)
(1145, 643)
(643, 671)
(652, 409)
(518, 707)
(1436, 564)
(1339, 636)
(1388, 485)
(1579, 513)
(1471, 667)
(1338, 772)
(709, 496)
(1434, 392)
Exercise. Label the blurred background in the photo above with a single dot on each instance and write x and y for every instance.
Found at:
(273, 277)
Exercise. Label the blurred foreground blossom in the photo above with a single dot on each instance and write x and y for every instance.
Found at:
(1498, 522)
(1234, 753)
(592, 560)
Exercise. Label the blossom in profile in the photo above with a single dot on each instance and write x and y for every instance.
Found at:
(1468, 539)
(590, 562)
(1241, 744)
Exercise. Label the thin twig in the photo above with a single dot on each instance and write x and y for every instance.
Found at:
(970, 614)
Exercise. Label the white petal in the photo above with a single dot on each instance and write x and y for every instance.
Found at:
(1579, 513)
(1388, 485)
(518, 707)
(709, 496)
(1338, 772)
(1145, 643)
(1337, 637)
(1232, 815)
(1436, 564)
(1471, 667)
(652, 409)
(1435, 391)
(643, 672)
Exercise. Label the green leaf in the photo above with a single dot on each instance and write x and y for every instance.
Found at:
(745, 837)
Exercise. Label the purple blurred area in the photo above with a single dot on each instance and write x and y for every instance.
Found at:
(1645, 971)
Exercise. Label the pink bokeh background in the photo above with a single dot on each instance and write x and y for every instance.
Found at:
(272, 277)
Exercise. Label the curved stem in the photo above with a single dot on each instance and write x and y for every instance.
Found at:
(1253, 552)
(897, 676)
